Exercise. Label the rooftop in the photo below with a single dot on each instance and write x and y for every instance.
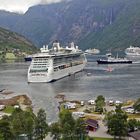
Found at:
(135, 135)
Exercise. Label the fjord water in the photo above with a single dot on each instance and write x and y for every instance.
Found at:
(122, 83)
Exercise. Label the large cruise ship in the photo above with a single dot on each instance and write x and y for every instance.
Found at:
(132, 51)
(55, 63)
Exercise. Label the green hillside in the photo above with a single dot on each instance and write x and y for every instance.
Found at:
(122, 33)
(10, 41)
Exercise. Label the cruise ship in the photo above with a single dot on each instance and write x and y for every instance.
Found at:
(92, 51)
(132, 51)
(56, 63)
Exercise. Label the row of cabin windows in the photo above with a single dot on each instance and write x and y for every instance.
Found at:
(68, 65)
(67, 59)
(60, 62)
(40, 64)
(40, 59)
(39, 67)
(38, 70)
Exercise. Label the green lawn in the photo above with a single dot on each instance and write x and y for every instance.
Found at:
(10, 56)
(95, 138)
(133, 116)
(9, 109)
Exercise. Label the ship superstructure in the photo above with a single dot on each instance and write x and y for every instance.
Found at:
(132, 51)
(113, 60)
(55, 63)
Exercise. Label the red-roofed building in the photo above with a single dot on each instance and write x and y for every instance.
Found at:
(134, 135)
(92, 125)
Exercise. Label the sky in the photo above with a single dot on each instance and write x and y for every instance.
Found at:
(21, 6)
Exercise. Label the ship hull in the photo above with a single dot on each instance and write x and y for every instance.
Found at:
(133, 54)
(114, 62)
(53, 76)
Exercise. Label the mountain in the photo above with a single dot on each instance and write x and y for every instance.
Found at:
(11, 40)
(123, 32)
(102, 24)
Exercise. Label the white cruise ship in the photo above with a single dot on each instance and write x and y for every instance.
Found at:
(132, 51)
(56, 63)
(92, 51)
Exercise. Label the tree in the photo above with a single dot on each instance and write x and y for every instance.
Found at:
(41, 126)
(70, 128)
(117, 123)
(67, 124)
(137, 105)
(22, 122)
(5, 130)
(100, 98)
(80, 129)
(132, 125)
(55, 130)
(100, 102)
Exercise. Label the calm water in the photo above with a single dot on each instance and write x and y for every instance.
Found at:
(122, 83)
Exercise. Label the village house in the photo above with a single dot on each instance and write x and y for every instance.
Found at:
(134, 135)
(92, 125)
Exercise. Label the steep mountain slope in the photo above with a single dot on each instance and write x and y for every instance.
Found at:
(8, 19)
(124, 31)
(90, 23)
(11, 40)
(67, 21)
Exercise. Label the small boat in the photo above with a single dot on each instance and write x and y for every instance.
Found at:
(113, 60)
(28, 58)
(109, 69)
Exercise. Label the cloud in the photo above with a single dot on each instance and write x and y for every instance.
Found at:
(21, 6)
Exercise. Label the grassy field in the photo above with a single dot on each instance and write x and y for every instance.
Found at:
(133, 116)
(10, 56)
(9, 109)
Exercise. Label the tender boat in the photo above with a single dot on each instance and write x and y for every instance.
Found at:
(113, 60)
(28, 58)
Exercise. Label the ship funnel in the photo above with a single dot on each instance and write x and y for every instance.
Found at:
(72, 45)
(46, 47)
(56, 46)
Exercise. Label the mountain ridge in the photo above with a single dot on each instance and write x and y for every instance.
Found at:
(92, 23)
(11, 40)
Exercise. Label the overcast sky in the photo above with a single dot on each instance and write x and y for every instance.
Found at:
(22, 6)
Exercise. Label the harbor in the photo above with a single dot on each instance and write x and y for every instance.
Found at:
(122, 83)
